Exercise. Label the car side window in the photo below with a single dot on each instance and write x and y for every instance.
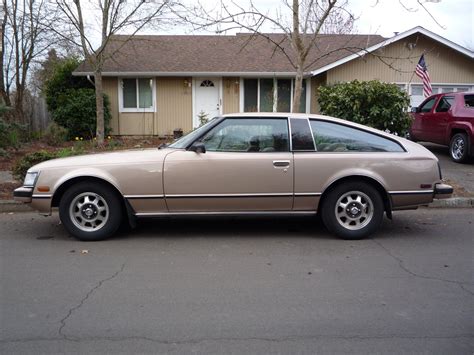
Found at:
(334, 137)
(428, 105)
(469, 101)
(248, 135)
(445, 104)
(301, 137)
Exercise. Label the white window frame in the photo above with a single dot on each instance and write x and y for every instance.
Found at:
(137, 109)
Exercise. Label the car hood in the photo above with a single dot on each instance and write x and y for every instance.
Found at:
(133, 156)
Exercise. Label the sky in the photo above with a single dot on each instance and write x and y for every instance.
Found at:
(384, 17)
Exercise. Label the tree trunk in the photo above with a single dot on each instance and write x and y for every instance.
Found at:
(3, 91)
(99, 101)
(297, 89)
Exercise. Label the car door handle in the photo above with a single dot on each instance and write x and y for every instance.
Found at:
(281, 163)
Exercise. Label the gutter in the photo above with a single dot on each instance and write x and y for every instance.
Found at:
(188, 74)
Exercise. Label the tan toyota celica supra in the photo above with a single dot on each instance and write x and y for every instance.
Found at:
(243, 164)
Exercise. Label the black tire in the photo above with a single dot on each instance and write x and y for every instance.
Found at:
(360, 218)
(458, 147)
(99, 216)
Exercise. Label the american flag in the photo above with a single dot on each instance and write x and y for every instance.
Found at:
(422, 71)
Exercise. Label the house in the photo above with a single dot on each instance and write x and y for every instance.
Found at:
(157, 84)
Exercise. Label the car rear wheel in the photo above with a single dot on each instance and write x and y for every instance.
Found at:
(90, 211)
(458, 147)
(352, 210)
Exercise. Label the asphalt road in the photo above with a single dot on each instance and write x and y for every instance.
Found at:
(239, 285)
(461, 174)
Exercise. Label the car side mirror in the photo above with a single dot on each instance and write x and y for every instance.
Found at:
(198, 147)
(414, 109)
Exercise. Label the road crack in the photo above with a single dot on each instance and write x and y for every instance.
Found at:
(83, 300)
(402, 266)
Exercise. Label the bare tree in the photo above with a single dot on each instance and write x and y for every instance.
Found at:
(301, 22)
(24, 39)
(114, 17)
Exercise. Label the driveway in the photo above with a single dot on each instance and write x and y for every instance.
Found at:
(460, 175)
(240, 286)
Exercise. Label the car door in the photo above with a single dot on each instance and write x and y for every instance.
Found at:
(440, 119)
(423, 120)
(247, 166)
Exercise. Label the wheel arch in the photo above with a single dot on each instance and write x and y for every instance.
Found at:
(127, 209)
(387, 202)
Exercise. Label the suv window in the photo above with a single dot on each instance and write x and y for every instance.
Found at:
(301, 137)
(469, 100)
(428, 105)
(334, 137)
(445, 104)
(248, 135)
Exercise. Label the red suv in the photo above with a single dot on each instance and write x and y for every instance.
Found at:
(446, 119)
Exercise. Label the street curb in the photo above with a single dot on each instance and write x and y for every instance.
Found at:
(455, 202)
(14, 206)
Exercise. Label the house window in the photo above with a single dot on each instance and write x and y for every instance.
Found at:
(136, 95)
(271, 95)
(207, 83)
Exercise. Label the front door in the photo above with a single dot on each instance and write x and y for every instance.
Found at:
(207, 101)
(247, 166)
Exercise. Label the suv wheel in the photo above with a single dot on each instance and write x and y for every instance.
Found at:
(353, 210)
(458, 147)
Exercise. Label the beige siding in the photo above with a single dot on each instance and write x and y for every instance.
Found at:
(396, 63)
(316, 82)
(173, 109)
(174, 105)
(231, 94)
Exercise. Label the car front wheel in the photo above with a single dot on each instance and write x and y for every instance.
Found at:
(458, 147)
(90, 211)
(352, 210)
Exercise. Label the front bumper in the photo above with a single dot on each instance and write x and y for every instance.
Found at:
(443, 191)
(23, 194)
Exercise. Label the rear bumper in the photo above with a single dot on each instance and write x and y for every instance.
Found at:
(442, 191)
(23, 194)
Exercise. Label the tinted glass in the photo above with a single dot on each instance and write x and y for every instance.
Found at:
(129, 93)
(428, 105)
(266, 95)
(248, 135)
(284, 95)
(250, 95)
(445, 104)
(469, 100)
(301, 137)
(333, 137)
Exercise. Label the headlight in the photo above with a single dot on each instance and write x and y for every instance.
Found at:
(30, 179)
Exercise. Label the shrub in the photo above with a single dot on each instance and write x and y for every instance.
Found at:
(55, 134)
(373, 103)
(76, 111)
(11, 134)
(71, 100)
(27, 161)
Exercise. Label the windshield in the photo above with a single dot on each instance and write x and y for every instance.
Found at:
(184, 141)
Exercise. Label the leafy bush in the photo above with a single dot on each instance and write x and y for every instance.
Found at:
(71, 100)
(55, 134)
(373, 103)
(11, 134)
(76, 111)
(22, 165)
